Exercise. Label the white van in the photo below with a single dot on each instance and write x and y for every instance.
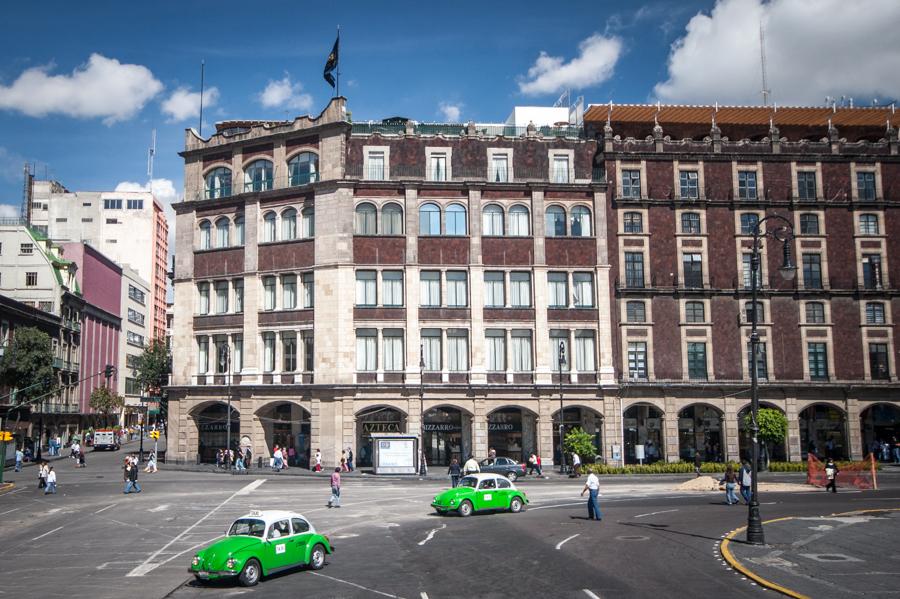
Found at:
(105, 440)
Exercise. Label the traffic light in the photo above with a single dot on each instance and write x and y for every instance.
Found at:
(6, 436)
(108, 371)
(154, 434)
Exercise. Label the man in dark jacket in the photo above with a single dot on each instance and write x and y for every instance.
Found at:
(131, 476)
(454, 472)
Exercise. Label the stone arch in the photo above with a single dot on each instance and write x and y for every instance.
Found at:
(286, 423)
(211, 419)
(701, 429)
(879, 423)
(446, 432)
(643, 424)
(512, 430)
(588, 418)
(823, 430)
(776, 452)
(376, 417)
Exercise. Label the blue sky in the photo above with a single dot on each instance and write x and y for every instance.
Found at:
(82, 84)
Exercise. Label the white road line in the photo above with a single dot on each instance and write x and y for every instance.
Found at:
(564, 541)
(148, 566)
(103, 509)
(545, 507)
(423, 595)
(353, 584)
(159, 508)
(47, 533)
(431, 534)
(654, 513)
(9, 511)
(590, 594)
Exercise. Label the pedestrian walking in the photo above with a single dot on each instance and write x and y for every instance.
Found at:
(151, 463)
(592, 486)
(220, 458)
(20, 455)
(350, 459)
(335, 500)
(51, 482)
(471, 466)
(896, 445)
(531, 464)
(248, 457)
(576, 464)
(81, 463)
(131, 477)
(831, 472)
(42, 475)
(318, 462)
(454, 471)
(746, 480)
(239, 462)
(698, 462)
(538, 465)
(278, 459)
(730, 482)
(344, 461)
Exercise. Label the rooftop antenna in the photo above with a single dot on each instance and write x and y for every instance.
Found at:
(202, 69)
(762, 59)
(151, 152)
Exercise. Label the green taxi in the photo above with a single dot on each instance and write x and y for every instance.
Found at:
(481, 492)
(260, 544)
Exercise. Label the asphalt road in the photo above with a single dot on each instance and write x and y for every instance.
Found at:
(92, 541)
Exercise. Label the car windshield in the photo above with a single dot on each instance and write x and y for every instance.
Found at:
(250, 527)
(468, 481)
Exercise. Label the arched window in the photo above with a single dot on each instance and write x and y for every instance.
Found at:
(205, 235)
(456, 220)
(258, 176)
(633, 222)
(429, 219)
(492, 220)
(239, 230)
(222, 230)
(556, 221)
(269, 226)
(392, 219)
(581, 222)
(303, 168)
(218, 183)
(519, 221)
(308, 228)
(365, 219)
(289, 224)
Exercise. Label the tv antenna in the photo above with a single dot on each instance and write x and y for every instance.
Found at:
(151, 153)
(762, 59)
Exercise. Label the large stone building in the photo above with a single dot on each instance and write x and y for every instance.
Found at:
(335, 279)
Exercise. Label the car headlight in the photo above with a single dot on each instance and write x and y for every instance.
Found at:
(230, 563)
(195, 561)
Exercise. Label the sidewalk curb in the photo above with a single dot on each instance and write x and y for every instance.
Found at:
(734, 563)
(6, 488)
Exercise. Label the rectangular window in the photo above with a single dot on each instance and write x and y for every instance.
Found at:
(696, 355)
(289, 352)
(635, 312)
(496, 349)
(431, 349)
(269, 293)
(392, 349)
(115, 221)
(237, 358)
(375, 166)
(457, 350)
(812, 271)
(309, 353)
(221, 297)
(633, 222)
(135, 204)
(62, 220)
(46, 306)
(809, 224)
(637, 360)
(560, 169)
(31, 279)
(438, 167)
(865, 185)
(521, 351)
(815, 313)
(585, 351)
(499, 168)
(868, 224)
(203, 289)
(583, 289)
(289, 292)
(268, 352)
(762, 368)
(112, 204)
(818, 361)
(135, 317)
(693, 270)
(749, 222)
(132, 387)
(806, 186)
(392, 287)
(631, 183)
(690, 188)
(875, 313)
(430, 288)
(747, 185)
(747, 270)
(634, 269)
(520, 289)
(365, 288)
(695, 312)
(309, 290)
(690, 223)
(760, 312)
(26, 249)
(87, 220)
(494, 296)
(202, 355)
(872, 271)
(238, 285)
(135, 339)
(136, 294)
(559, 289)
(457, 289)
(878, 361)
(559, 340)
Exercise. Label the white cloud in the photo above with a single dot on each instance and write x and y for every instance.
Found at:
(813, 49)
(8, 211)
(102, 88)
(450, 111)
(597, 58)
(285, 94)
(184, 104)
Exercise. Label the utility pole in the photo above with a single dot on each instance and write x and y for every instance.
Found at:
(562, 427)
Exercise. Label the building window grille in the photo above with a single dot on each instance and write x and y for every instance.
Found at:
(690, 223)
(875, 313)
(635, 311)
(868, 224)
(809, 224)
(695, 312)
(633, 222)
(634, 269)
(806, 186)
(692, 265)
(762, 368)
(878, 361)
(637, 360)
(817, 357)
(747, 185)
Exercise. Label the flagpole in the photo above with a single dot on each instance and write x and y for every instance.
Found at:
(338, 79)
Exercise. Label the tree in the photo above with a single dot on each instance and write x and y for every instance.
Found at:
(106, 401)
(580, 442)
(27, 364)
(773, 426)
(153, 366)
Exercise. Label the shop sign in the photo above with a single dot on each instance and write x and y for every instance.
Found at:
(504, 427)
(441, 427)
(381, 427)
(217, 427)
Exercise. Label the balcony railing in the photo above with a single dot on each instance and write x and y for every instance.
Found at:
(58, 363)
(459, 129)
(462, 174)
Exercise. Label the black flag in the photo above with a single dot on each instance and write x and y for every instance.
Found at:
(332, 62)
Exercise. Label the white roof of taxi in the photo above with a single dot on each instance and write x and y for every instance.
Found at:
(483, 475)
(270, 516)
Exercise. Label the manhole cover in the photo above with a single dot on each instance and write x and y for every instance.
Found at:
(632, 538)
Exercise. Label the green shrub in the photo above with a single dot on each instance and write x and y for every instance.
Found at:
(686, 468)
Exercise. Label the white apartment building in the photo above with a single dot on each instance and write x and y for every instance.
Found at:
(136, 308)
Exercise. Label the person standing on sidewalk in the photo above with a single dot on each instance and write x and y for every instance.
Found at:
(592, 486)
(698, 462)
(454, 471)
(746, 480)
(318, 463)
(51, 482)
(151, 463)
(335, 500)
(831, 472)
(20, 455)
(277, 459)
(576, 464)
(349, 459)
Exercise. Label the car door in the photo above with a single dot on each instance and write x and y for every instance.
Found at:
(278, 539)
(487, 466)
(504, 493)
(300, 541)
(486, 494)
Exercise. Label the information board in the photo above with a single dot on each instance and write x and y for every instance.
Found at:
(395, 454)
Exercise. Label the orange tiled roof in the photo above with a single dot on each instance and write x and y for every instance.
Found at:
(743, 115)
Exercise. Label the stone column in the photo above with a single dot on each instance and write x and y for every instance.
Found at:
(670, 429)
(794, 450)
(480, 428)
(612, 431)
(348, 422)
(731, 434)
(315, 427)
(854, 435)
(545, 432)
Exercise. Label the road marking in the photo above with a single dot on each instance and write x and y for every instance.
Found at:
(423, 595)
(9, 511)
(654, 513)
(159, 508)
(148, 566)
(431, 534)
(47, 533)
(545, 507)
(590, 594)
(564, 541)
(103, 509)
(353, 584)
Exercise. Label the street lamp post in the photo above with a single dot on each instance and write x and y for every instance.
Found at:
(421, 409)
(562, 451)
(784, 233)
(225, 366)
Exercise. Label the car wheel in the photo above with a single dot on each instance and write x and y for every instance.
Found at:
(512, 476)
(515, 506)
(317, 557)
(465, 509)
(250, 574)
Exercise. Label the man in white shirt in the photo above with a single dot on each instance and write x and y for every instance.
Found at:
(471, 466)
(592, 485)
(576, 464)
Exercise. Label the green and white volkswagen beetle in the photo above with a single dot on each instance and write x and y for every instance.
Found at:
(481, 492)
(260, 544)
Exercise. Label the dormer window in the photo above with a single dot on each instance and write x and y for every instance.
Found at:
(499, 168)
(218, 183)
(375, 166)
(438, 167)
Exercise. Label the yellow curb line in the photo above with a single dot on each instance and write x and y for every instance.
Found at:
(885, 509)
(729, 557)
(6, 488)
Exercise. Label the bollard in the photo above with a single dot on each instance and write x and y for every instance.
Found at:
(259, 462)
